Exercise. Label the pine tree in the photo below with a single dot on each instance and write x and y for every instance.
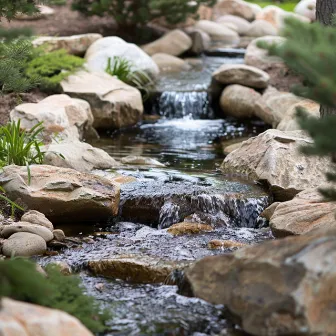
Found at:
(10, 8)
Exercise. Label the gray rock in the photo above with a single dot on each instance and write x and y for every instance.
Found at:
(242, 25)
(38, 218)
(306, 8)
(140, 160)
(201, 41)
(169, 63)
(59, 235)
(39, 230)
(261, 28)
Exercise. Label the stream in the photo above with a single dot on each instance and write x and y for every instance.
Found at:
(182, 129)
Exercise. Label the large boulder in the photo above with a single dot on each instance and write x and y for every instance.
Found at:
(274, 157)
(75, 45)
(25, 319)
(261, 28)
(169, 63)
(289, 121)
(114, 104)
(79, 156)
(307, 211)
(239, 101)
(99, 52)
(62, 194)
(174, 43)
(241, 74)
(242, 25)
(70, 118)
(281, 287)
(306, 8)
(218, 32)
(235, 7)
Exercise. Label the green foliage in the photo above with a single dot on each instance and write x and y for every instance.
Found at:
(7, 35)
(20, 147)
(124, 70)
(140, 12)
(10, 8)
(51, 68)
(285, 5)
(57, 2)
(19, 280)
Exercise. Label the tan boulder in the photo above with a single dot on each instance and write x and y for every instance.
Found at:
(229, 149)
(241, 74)
(169, 63)
(224, 244)
(274, 157)
(38, 218)
(114, 104)
(188, 228)
(243, 26)
(62, 194)
(174, 43)
(25, 319)
(261, 28)
(235, 7)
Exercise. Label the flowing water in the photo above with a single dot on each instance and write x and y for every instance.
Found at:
(184, 130)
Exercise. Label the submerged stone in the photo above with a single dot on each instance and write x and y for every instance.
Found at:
(188, 228)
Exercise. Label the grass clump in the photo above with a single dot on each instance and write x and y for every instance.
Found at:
(20, 280)
(51, 68)
(287, 5)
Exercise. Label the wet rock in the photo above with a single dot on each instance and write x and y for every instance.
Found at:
(62, 194)
(109, 47)
(218, 32)
(242, 74)
(229, 149)
(59, 235)
(239, 101)
(79, 156)
(174, 43)
(281, 287)
(38, 218)
(39, 230)
(259, 58)
(114, 104)
(124, 179)
(63, 267)
(75, 44)
(25, 319)
(135, 268)
(273, 106)
(169, 63)
(188, 228)
(141, 160)
(268, 212)
(69, 118)
(200, 41)
(242, 25)
(224, 244)
(289, 121)
(261, 28)
(24, 244)
(306, 8)
(234, 7)
(306, 212)
(43, 13)
(275, 158)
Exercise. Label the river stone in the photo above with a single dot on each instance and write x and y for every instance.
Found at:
(259, 58)
(280, 287)
(24, 244)
(268, 212)
(261, 28)
(307, 211)
(25, 319)
(136, 268)
(201, 41)
(289, 121)
(114, 104)
(70, 118)
(218, 32)
(59, 235)
(239, 101)
(242, 25)
(224, 244)
(75, 44)
(306, 8)
(109, 47)
(141, 160)
(229, 149)
(38, 218)
(39, 230)
(62, 194)
(234, 7)
(79, 156)
(174, 43)
(188, 228)
(169, 63)
(242, 74)
(273, 106)
(274, 157)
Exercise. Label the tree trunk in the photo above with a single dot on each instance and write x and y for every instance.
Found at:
(325, 9)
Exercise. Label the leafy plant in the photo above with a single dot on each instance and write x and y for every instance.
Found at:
(9, 8)
(123, 69)
(51, 68)
(20, 280)
(7, 35)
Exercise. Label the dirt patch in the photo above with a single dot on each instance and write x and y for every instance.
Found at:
(9, 101)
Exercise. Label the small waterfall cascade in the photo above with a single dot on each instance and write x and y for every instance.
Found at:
(180, 104)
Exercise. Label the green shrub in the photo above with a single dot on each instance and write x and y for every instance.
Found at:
(8, 35)
(57, 2)
(51, 68)
(19, 280)
(10, 8)
(140, 12)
